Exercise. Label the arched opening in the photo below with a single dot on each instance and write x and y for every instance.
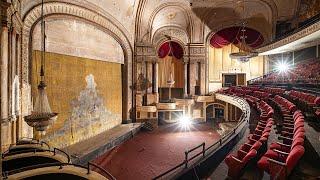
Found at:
(225, 71)
(91, 102)
(171, 70)
(215, 114)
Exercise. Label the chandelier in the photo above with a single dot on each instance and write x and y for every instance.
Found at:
(41, 116)
(245, 52)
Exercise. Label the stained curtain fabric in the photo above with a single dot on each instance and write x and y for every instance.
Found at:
(168, 65)
(170, 48)
(232, 35)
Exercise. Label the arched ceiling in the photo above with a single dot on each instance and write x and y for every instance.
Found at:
(170, 16)
(200, 17)
(120, 11)
(140, 19)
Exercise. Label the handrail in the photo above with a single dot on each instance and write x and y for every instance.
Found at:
(56, 149)
(38, 150)
(101, 169)
(32, 141)
(7, 173)
(242, 120)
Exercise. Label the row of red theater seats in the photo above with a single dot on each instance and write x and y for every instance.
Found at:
(303, 72)
(308, 99)
(285, 105)
(253, 148)
(282, 157)
(274, 90)
(251, 100)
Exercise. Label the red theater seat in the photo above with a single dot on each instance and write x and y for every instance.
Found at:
(237, 163)
(281, 167)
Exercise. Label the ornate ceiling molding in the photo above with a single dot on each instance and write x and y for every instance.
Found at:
(175, 33)
(186, 11)
(70, 10)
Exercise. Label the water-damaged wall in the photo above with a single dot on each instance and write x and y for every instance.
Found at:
(86, 93)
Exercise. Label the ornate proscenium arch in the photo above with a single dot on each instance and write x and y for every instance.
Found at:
(67, 9)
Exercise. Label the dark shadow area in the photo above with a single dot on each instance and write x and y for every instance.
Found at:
(18, 163)
(55, 176)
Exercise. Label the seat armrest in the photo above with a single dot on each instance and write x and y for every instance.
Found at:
(288, 124)
(236, 159)
(286, 138)
(288, 118)
(286, 132)
(276, 162)
(282, 144)
(289, 128)
(281, 152)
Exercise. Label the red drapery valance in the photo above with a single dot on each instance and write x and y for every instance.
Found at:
(230, 35)
(170, 48)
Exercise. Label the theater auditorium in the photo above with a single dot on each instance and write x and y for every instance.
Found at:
(160, 89)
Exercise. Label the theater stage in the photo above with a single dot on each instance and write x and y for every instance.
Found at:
(148, 154)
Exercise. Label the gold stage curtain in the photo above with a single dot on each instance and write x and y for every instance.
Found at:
(168, 65)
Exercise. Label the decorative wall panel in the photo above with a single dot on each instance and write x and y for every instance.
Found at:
(220, 62)
(86, 93)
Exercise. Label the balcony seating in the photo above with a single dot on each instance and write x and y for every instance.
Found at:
(252, 150)
(282, 157)
(286, 106)
(275, 91)
(237, 163)
(262, 95)
(281, 166)
(305, 73)
(307, 98)
(252, 101)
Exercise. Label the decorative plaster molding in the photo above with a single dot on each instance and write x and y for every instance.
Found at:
(294, 37)
(174, 32)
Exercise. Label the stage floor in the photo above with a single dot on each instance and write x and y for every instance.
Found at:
(149, 154)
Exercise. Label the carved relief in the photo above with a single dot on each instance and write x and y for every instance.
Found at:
(173, 32)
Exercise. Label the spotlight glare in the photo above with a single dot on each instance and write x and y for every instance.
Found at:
(282, 67)
(185, 121)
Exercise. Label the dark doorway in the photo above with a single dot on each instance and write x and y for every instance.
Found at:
(230, 80)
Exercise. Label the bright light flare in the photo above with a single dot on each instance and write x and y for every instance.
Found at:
(282, 67)
(185, 122)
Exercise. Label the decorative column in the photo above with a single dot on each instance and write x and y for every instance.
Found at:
(156, 77)
(149, 75)
(13, 63)
(192, 76)
(3, 70)
(202, 78)
(185, 79)
(4, 73)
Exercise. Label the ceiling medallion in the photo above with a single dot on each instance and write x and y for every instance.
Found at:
(171, 16)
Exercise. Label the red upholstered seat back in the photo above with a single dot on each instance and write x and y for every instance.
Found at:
(296, 142)
(317, 101)
(252, 153)
(294, 156)
(256, 145)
